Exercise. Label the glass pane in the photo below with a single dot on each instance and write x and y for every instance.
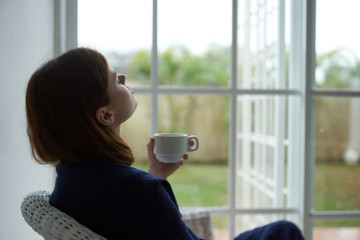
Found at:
(337, 154)
(266, 151)
(334, 230)
(140, 124)
(337, 44)
(263, 44)
(114, 28)
(203, 180)
(194, 40)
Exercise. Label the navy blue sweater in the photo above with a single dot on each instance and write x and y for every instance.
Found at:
(119, 202)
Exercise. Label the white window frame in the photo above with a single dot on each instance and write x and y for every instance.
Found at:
(302, 66)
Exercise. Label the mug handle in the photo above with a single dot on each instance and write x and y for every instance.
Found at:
(191, 148)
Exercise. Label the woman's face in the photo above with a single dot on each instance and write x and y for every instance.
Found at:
(122, 100)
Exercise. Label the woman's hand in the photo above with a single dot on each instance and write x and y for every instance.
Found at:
(160, 169)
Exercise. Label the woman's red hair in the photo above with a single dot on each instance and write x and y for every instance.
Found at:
(62, 97)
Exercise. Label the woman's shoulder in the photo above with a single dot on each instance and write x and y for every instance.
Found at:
(111, 173)
(144, 178)
(147, 183)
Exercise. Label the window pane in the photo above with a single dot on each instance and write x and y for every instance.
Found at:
(337, 154)
(122, 31)
(333, 230)
(194, 40)
(203, 180)
(263, 44)
(337, 44)
(267, 151)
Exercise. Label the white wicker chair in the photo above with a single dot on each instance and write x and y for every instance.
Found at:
(51, 223)
(199, 221)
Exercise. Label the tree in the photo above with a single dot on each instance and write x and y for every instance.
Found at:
(339, 68)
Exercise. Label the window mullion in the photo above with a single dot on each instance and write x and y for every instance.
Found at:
(309, 120)
(280, 109)
(71, 40)
(232, 130)
(154, 71)
(60, 27)
(66, 26)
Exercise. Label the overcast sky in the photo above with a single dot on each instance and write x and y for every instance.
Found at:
(126, 24)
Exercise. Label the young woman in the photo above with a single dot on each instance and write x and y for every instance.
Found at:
(75, 105)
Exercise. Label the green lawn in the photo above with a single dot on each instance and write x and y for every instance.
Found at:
(337, 188)
(199, 185)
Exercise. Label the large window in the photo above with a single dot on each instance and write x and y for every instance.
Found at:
(270, 87)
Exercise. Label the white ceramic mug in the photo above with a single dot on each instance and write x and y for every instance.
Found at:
(171, 147)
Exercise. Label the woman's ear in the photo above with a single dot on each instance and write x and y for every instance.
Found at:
(104, 116)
